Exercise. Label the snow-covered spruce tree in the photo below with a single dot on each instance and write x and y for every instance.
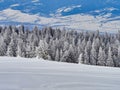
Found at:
(3, 47)
(88, 50)
(81, 58)
(86, 57)
(31, 50)
(97, 44)
(93, 56)
(82, 45)
(57, 55)
(65, 56)
(21, 32)
(21, 48)
(52, 49)
(12, 48)
(89, 46)
(7, 35)
(101, 57)
(65, 46)
(61, 53)
(117, 61)
(72, 55)
(109, 61)
(43, 50)
(35, 36)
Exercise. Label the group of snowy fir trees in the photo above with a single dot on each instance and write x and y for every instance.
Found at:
(92, 48)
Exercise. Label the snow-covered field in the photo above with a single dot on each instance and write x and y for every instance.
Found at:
(36, 74)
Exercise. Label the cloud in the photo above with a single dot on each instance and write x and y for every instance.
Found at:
(111, 9)
(35, 1)
(71, 8)
(66, 9)
(106, 9)
(14, 5)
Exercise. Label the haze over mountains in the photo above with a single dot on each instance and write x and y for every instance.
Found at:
(100, 15)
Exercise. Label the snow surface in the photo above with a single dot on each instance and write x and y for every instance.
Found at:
(38, 74)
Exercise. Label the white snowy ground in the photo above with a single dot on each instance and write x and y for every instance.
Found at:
(34, 74)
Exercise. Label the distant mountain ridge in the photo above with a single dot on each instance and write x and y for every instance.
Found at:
(44, 11)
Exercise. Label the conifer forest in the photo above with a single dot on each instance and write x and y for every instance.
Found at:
(88, 47)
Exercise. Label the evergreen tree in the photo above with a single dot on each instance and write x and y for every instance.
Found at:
(93, 56)
(86, 57)
(101, 57)
(3, 48)
(81, 58)
(12, 49)
(117, 61)
(65, 56)
(109, 61)
(57, 56)
(43, 50)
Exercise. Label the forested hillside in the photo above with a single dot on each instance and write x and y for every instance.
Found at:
(91, 48)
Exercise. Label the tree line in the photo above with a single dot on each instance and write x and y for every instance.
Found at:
(92, 48)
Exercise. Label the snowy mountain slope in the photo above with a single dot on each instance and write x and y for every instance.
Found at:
(98, 14)
(78, 21)
(37, 74)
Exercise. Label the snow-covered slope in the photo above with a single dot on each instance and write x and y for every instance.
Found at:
(37, 74)
(77, 22)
